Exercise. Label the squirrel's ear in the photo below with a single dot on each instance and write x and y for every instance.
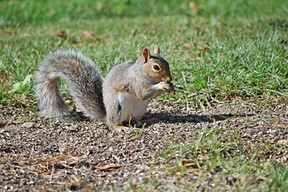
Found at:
(146, 55)
(156, 50)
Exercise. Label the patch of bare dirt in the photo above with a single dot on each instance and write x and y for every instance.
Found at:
(37, 154)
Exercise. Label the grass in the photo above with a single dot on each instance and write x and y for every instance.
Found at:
(279, 181)
(222, 163)
(218, 50)
(217, 166)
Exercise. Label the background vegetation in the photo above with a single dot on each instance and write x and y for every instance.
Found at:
(218, 50)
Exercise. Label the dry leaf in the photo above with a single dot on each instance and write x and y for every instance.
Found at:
(61, 34)
(62, 160)
(108, 168)
(189, 163)
(89, 35)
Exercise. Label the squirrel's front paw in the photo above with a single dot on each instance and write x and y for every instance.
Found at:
(171, 87)
(166, 86)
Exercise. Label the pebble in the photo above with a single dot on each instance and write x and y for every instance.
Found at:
(28, 125)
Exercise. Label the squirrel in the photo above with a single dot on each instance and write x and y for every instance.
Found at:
(124, 94)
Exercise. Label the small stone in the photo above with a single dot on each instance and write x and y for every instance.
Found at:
(28, 124)
(283, 142)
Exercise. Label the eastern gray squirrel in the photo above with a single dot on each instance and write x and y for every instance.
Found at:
(124, 94)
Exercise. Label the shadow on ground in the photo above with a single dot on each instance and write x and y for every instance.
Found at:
(190, 118)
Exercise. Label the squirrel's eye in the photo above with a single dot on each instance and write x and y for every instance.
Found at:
(156, 67)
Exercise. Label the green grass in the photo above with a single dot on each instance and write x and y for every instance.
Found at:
(223, 164)
(279, 180)
(217, 51)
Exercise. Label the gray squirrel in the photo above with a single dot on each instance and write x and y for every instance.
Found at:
(124, 94)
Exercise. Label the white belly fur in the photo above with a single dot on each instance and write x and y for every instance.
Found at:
(133, 107)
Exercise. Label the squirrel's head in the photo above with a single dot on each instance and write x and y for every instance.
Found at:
(156, 67)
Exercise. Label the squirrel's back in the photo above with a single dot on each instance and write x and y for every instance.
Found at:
(83, 79)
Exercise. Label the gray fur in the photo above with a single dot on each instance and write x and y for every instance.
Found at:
(135, 77)
(83, 78)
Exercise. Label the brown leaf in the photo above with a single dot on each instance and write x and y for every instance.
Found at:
(189, 163)
(89, 35)
(62, 34)
(108, 168)
(64, 160)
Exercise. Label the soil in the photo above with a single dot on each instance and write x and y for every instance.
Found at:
(42, 155)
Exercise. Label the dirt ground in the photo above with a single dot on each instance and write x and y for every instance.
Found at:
(43, 155)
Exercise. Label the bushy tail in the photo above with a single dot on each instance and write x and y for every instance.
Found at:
(82, 77)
